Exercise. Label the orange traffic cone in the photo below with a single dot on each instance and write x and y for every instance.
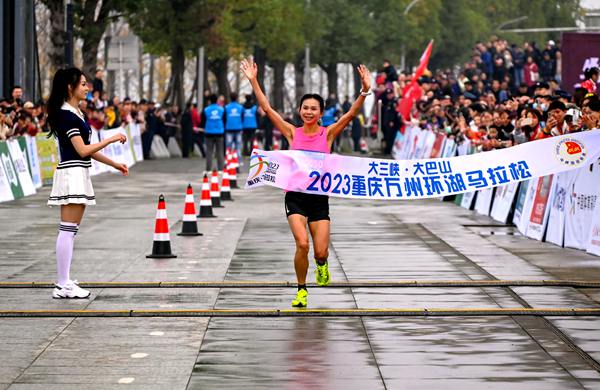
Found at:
(275, 144)
(364, 148)
(189, 226)
(215, 194)
(205, 202)
(225, 189)
(255, 144)
(232, 175)
(161, 248)
(235, 161)
(227, 158)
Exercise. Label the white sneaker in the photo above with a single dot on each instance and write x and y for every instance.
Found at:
(69, 291)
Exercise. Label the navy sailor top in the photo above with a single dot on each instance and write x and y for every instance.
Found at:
(70, 124)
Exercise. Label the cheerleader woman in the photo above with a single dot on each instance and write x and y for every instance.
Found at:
(72, 188)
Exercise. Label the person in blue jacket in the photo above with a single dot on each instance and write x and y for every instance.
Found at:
(249, 123)
(212, 122)
(233, 125)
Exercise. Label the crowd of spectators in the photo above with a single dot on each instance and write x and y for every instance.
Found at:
(18, 117)
(503, 96)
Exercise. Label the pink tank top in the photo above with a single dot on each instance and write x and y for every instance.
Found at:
(313, 143)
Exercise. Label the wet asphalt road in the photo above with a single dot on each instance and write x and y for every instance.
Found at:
(250, 241)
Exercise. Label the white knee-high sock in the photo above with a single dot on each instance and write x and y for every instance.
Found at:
(64, 250)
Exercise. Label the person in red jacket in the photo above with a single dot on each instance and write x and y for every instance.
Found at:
(591, 79)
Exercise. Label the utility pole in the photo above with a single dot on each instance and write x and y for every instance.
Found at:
(307, 78)
(200, 88)
(403, 50)
(69, 33)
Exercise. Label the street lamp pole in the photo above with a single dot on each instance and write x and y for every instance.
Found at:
(69, 33)
(403, 56)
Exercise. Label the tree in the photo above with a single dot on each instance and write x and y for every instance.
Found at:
(91, 18)
(398, 32)
(175, 27)
(350, 36)
(56, 51)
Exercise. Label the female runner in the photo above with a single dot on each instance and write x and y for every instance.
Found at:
(302, 209)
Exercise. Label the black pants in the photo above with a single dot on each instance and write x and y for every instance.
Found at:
(186, 143)
(199, 140)
(248, 137)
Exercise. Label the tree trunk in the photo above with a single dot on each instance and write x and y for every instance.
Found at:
(260, 57)
(91, 30)
(219, 68)
(195, 85)
(175, 91)
(278, 80)
(56, 51)
(177, 67)
(332, 79)
(299, 77)
(357, 81)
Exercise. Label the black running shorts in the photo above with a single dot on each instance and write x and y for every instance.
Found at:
(312, 206)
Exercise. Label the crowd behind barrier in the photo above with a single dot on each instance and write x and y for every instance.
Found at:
(503, 96)
(563, 209)
(28, 162)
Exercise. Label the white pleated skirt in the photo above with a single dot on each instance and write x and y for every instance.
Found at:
(72, 185)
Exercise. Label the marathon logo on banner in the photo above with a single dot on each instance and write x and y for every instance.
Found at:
(354, 177)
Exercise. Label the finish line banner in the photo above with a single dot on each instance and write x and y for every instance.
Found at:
(365, 178)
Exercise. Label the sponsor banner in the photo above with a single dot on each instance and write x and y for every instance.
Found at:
(33, 159)
(593, 242)
(503, 200)
(438, 146)
(136, 141)
(467, 200)
(539, 210)
(483, 203)
(20, 163)
(10, 172)
(464, 148)
(429, 142)
(365, 178)
(48, 153)
(116, 151)
(6, 193)
(580, 204)
(97, 167)
(555, 231)
(525, 213)
(449, 148)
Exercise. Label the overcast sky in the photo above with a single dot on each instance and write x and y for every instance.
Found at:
(590, 4)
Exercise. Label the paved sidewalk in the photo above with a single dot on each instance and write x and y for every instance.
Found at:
(250, 241)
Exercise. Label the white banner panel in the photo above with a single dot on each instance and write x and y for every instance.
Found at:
(540, 208)
(593, 243)
(555, 231)
(503, 200)
(20, 164)
(5, 190)
(34, 161)
(581, 201)
(483, 202)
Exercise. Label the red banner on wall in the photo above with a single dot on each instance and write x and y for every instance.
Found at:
(579, 51)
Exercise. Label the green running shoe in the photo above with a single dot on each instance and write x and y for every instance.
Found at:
(323, 275)
(301, 299)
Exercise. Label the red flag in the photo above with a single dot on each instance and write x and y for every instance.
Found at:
(412, 92)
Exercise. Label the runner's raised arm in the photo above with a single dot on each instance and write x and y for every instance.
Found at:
(250, 70)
